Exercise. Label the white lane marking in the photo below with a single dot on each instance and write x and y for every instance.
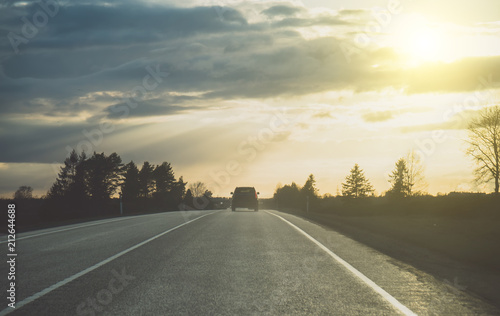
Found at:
(69, 228)
(83, 272)
(388, 297)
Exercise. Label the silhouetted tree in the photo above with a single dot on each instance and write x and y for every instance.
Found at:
(88, 184)
(356, 185)
(208, 201)
(71, 180)
(415, 177)
(146, 180)
(399, 180)
(78, 191)
(178, 191)
(131, 186)
(164, 181)
(288, 196)
(484, 145)
(164, 178)
(68, 195)
(309, 188)
(104, 175)
(198, 188)
(24, 192)
(188, 200)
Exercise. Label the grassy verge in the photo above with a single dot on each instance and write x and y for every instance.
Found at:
(450, 237)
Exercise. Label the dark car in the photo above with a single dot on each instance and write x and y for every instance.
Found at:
(245, 197)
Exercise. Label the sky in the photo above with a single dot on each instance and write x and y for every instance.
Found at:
(247, 93)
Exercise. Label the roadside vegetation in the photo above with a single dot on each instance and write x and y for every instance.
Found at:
(102, 186)
(407, 191)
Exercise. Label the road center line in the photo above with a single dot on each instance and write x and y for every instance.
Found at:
(388, 297)
(95, 266)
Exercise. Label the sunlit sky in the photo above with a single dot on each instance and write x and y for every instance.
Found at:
(251, 93)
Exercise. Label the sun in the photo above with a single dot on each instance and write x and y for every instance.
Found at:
(418, 40)
(423, 44)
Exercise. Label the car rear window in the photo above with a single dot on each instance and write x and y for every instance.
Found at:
(244, 190)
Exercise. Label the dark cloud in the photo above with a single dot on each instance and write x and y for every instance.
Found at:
(307, 22)
(90, 55)
(47, 142)
(43, 142)
(154, 107)
(95, 25)
(91, 47)
(282, 10)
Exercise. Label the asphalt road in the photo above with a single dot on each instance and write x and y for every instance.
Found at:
(218, 263)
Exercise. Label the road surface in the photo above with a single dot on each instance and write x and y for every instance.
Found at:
(219, 263)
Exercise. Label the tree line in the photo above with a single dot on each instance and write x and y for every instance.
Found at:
(407, 178)
(87, 186)
(292, 195)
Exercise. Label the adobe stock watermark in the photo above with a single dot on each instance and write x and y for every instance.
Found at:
(96, 303)
(457, 116)
(249, 148)
(247, 151)
(221, 7)
(292, 281)
(94, 137)
(382, 17)
(47, 10)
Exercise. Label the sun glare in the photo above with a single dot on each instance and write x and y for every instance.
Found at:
(418, 40)
(424, 44)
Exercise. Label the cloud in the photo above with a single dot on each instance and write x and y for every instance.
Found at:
(38, 176)
(120, 24)
(457, 121)
(282, 10)
(325, 20)
(94, 48)
(353, 12)
(153, 107)
(374, 117)
(90, 56)
(323, 114)
(45, 142)
(468, 74)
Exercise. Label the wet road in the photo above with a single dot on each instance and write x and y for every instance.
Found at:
(219, 263)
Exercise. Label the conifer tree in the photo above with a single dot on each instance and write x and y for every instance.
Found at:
(356, 185)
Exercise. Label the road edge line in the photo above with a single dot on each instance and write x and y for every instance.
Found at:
(69, 228)
(388, 297)
(90, 269)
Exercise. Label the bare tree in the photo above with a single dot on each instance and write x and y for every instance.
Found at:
(24, 192)
(198, 189)
(415, 176)
(484, 145)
